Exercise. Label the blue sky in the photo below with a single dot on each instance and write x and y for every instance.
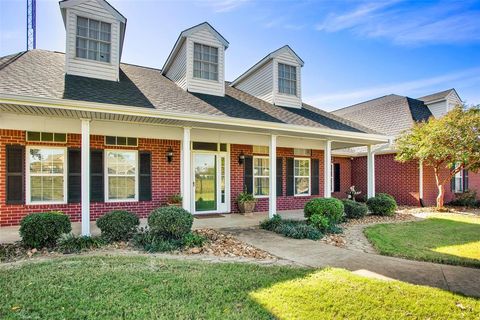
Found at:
(353, 50)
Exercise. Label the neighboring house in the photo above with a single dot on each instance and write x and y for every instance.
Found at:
(84, 133)
(409, 183)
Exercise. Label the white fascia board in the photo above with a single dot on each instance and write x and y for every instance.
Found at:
(72, 3)
(205, 119)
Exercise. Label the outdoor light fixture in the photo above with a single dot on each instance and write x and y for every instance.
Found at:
(241, 158)
(169, 154)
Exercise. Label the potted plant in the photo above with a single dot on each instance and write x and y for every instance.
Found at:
(352, 193)
(246, 203)
(175, 200)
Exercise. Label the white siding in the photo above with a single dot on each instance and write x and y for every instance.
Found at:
(453, 100)
(281, 99)
(260, 83)
(90, 68)
(438, 109)
(212, 87)
(178, 70)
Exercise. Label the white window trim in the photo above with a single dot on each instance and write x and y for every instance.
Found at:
(458, 177)
(278, 80)
(28, 199)
(309, 179)
(256, 176)
(90, 17)
(193, 62)
(107, 199)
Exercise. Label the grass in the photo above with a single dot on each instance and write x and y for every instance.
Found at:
(449, 239)
(142, 287)
(339, 294)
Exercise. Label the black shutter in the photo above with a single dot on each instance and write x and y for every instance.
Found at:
(315, 182)
(248, 174)
(465, 180)
(15, 174)
(279, 177)
(74, 175)
(97, 191)
(336, 177)
(290, 177)
(145, 177)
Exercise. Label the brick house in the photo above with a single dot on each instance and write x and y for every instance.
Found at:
(410, 183)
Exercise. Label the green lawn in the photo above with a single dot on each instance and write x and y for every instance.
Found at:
(451, 239)
(145, 287)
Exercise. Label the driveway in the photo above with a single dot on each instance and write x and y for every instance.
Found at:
(316, 254)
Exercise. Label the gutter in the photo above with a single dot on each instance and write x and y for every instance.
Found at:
(206, 119)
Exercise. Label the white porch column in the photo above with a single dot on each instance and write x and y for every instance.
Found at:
(186, 171)
(370, 172)
(327, 186)
(85, 179)
(272, 208)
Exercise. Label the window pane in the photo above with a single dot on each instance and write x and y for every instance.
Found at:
(82, 22)
(261, 167)
(60, 137)
(47, 136)
(302, 185)
(121, 188)
(205, 62)
(132, 141)
(261, 186)
(33, 136)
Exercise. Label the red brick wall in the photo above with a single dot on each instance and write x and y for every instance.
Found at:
(474, 182)
(345, 177)
(430, 190)
(283, 202)
(165, 178)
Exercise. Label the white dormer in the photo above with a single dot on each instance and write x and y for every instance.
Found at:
(197, 61)
(95, 33)
(275, 79)
(442, 102)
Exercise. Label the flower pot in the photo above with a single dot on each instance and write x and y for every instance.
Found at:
(247, 207)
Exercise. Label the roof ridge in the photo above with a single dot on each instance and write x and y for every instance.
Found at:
(370, 100)
(10, 59)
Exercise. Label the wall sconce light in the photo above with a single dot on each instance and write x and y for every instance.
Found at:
(170, 155)
(241, 158)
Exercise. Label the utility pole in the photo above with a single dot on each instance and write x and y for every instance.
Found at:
(31, 24)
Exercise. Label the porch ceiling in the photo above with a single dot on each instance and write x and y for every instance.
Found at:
(340, 139)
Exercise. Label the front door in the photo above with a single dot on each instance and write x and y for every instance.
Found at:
(210, 182)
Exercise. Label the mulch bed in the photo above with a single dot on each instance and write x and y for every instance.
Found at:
(218, 244)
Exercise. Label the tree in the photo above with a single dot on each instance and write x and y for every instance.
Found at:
(451, 142)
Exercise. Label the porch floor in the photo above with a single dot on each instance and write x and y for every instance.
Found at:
(234, 220)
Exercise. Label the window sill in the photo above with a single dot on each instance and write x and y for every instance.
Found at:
(42, 203)
(120, 200)
(302, 195)
(261, 197)
(202, 79)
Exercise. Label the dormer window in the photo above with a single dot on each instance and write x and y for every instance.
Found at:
(205, 62)
(287, 79)
(93, 39)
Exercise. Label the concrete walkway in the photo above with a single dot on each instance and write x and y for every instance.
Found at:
(315, 254)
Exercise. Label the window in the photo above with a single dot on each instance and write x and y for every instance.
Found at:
(458, 182)
(261, 171)
(260, 149)
(209, 146)
(121, 175)
(205, 62)
(302, 177)
(93, 39)
(46, 136)
(46, 175)
(302, 152)
(287, 79)
(121, 141)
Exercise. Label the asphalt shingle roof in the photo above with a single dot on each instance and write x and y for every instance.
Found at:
(436, 96)
(40, 73)
(390, 115)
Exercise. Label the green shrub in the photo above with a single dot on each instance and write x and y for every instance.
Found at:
(320, 222)
(170, 222)
(154, 243)
(330, 207)
(39, 230)
(291, 228)
(354, 210)
(465, 199)
(118, 225)
(71, 243)
(382, 204)
(193, 239)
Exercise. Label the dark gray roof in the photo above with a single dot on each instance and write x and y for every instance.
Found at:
(437, 96)
(389, 115)
(40, 73)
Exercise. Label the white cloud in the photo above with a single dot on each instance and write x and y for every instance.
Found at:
(465, 78)
(427, 23)
(224, 5)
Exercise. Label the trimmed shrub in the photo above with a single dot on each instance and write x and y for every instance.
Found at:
(295, 229)
(118, 225)
(193, 240)
(465, 199)
(354, 210)
(382, 205)
(329, 207)
(170, 222)
(71, 243)
(39, 230)
(154, 243)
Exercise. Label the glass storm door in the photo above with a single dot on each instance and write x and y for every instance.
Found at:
(205, 170)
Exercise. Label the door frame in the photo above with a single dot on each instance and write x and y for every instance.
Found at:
(221, 208)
